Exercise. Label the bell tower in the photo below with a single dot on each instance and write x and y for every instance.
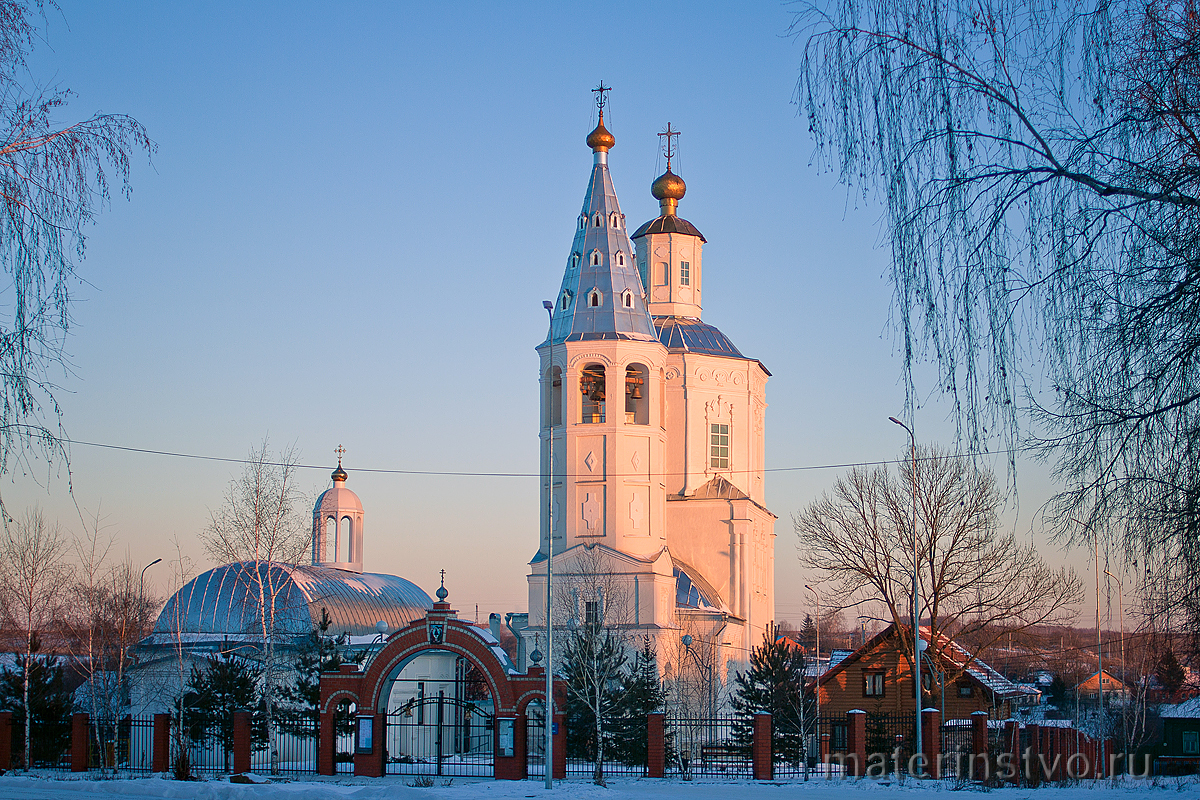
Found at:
(338, 525)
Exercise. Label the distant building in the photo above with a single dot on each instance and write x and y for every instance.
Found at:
(1089, 688)
(877, 678)
(1181, 736)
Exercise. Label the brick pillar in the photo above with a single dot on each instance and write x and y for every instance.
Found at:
(856, 742)
(241, 741)
(6, 723)
(656, 746)
(507, 768)
(1110, 747)
(326, 745)
(160, 749)
(371, 764)
(823, 747)
(79, 742)
(1033, 767)
(761, 750)
(1012, 745)
(521, 746)
(931, 740)
(560, 747)
(979, 758)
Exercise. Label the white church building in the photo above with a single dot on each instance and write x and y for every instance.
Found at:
(654, 508)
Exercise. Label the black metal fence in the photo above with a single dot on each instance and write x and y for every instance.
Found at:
(125, 747)
(440, 736)
(624, 752)
(714, 747)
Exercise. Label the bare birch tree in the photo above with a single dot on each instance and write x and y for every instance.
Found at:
(261, 522)
(978, 584)
(182, 571)
(33, 576)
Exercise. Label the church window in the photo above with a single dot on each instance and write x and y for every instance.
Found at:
(591, 386)
(599, 221)
(627, 298)
(582, 221)
(554, 398)
(685, 273)
(637, 405)
(620, 259)
(594, 299)
(664, 274)
(345, 535)
(575, 259)
(616, 220)
(566, 299)
(641, 265)
(718, 450)
(330, 543)
(687, 594)
(595, 258)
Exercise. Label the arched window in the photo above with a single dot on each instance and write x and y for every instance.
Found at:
(595, 258)
(620, 259)
(637, 401)
(574, 259)
(599, 221)
(591, 386)
(345, 534)
(566, 299)
(330, 543)
(627, 299)
(554, 396)
(616, 220)
(582, 221)
(594, 299)
(664, 274)
(641, 265)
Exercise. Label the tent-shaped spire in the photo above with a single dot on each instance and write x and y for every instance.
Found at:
(601, 295)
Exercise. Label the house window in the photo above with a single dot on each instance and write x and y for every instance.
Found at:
(837, 741)
(1191, 743)
(966, 690)
(872, 684)
(718, 440)
(591, 612)
(685, 273)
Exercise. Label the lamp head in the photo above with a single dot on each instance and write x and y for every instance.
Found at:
(546, 304)
(687, 640)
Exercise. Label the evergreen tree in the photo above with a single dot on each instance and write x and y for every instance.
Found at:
(775, 684)
(808, 634)
(1060, 692)
(594, 665)
(227, 683)
(1169, 673)
(317, 652)
(644, 695)
(50, 704)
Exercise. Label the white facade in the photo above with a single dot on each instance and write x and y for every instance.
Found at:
(657, 424)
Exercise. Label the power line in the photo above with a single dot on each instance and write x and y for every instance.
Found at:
(467, 474)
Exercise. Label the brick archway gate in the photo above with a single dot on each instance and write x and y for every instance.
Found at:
(439, 632)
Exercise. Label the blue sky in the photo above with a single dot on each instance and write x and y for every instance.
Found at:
(353, 216)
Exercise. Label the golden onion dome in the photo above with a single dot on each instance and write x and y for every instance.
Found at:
(339, 474)
(600, 140)
(668, 186)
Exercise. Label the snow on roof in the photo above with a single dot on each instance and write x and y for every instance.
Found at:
(1188, 709)
(980, 671)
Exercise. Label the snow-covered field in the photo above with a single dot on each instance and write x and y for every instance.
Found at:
(13, 787)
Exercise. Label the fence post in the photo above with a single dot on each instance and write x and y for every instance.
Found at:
(79, 742)
(326, 744)
(656, 746)
(6, 720)
(560, 746)
(761, 751)
(856, 741)
(160, 747)
(1012, 745)
(979, 745)
(1033, 765)
(931, 744)
(241, 741)
(824, 752)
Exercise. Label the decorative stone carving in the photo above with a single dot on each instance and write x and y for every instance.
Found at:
(591, 511)
(637, 510)
(590, 462)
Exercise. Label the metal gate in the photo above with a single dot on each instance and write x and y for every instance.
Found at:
(441, 736)
(535, 742)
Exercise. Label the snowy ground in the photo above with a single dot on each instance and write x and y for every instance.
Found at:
(15, 787)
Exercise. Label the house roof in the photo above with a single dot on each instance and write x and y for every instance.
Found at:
(977, 670)
(1188, 709)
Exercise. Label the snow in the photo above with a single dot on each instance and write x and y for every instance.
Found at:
(19, 787)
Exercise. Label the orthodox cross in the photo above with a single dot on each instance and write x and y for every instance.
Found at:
(601, 100)
(340, 451)
(443, 577)
(669, 145)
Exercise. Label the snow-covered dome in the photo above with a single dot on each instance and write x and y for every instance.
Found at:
(225, 601)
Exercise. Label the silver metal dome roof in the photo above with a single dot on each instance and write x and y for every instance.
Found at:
(225, 600)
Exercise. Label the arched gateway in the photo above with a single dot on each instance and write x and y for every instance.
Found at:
(430, 729)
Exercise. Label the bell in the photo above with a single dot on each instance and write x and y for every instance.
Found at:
(636, 394)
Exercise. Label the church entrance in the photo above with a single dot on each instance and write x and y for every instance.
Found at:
(440, 718)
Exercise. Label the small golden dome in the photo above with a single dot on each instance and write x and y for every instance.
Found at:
(600, 140)
(668, 186)
(339, 474)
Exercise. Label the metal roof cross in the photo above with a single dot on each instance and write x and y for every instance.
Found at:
(599, 91)
(340, 451)
(669, 146)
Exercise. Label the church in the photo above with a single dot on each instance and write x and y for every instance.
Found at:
(652, 430)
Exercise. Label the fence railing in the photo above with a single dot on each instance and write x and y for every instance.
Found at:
(713, 747)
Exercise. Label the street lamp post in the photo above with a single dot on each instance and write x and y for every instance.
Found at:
(546, 304)
(142, 584)
(916, 600)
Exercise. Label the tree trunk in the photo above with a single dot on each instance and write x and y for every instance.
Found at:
(598, 774)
